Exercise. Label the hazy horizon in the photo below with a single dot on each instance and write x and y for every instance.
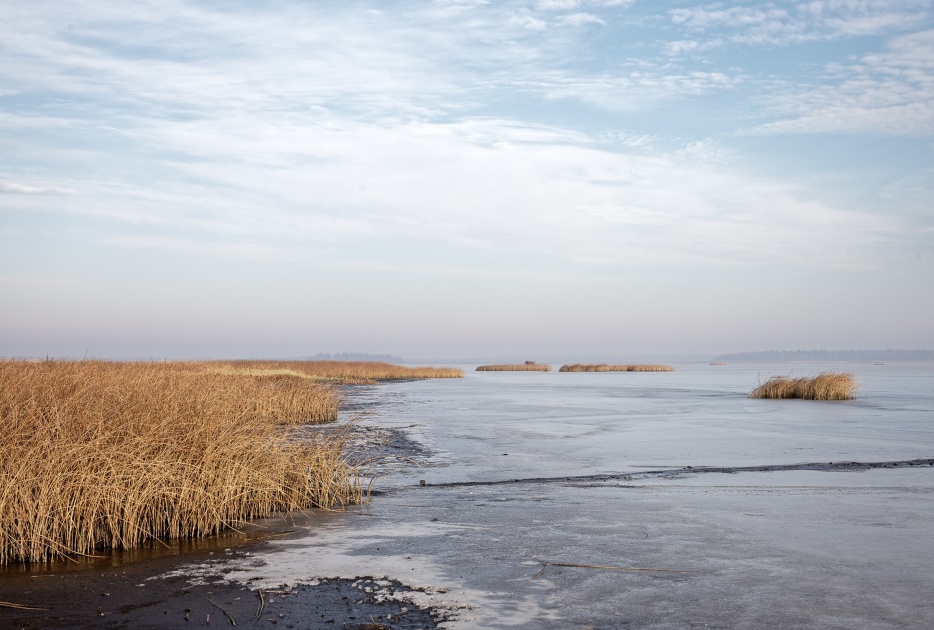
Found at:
(465, 178)
(553, 359)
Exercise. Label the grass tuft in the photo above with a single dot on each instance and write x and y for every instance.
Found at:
(603, 367)
(824, 386)
(99, 454)
(515, 367)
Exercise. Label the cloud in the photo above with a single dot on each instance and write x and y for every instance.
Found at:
(581, 19)
(393, 195)
(528, 21)
(691, 46)
(630, 140)
(557, 5)
(357, 138)
(891, 92)
(636, 90)
(774, 24)
(23, 189)
(567, 5)
(465, 4)
(243, 250)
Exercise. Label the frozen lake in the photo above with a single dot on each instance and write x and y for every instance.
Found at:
(579, 423)
(564, 500)
(829, 549)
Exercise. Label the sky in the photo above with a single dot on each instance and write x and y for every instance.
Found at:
(462, 178)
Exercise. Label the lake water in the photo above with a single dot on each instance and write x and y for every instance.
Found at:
(580, 423)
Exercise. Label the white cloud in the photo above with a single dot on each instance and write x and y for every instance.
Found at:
(528, 21)
(335, 191)
(691, 46)
(557, 5)
(24, 189)
(357, 135)
(469, 4)
(630, 140)
(242, 250)
(580, 19)
(789, 23)
(891, 92)
(632, 91)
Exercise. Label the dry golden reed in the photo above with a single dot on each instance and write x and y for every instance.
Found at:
(603, 367)
(344, 372)
(515, 367)
(99, 454)
(824, 386)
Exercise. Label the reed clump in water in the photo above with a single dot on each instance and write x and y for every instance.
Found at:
(603, 367)
(515, 367)
(344, 372)
(98, 455)
(824, 386)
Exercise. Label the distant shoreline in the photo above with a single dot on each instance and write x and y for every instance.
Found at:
(827, 355)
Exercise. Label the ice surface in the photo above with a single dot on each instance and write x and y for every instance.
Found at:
(755, 549)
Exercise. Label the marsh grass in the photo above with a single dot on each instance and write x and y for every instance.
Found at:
(98, 455)
(603, 367)
(515, 367)
(341, 372)
(824, 386)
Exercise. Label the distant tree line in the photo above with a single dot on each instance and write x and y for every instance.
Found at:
(355, 356)
(829, 355)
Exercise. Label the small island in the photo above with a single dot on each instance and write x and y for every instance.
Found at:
(604, 367)
(824, 386)
(528, 366)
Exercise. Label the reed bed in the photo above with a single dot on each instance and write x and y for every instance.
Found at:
(101, 455)
(603, 367)
(515, 367)
(824, 386)
(343, 372)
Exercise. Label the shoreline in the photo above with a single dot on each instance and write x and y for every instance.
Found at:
(148, 587)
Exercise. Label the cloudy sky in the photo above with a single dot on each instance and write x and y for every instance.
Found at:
(455, 178)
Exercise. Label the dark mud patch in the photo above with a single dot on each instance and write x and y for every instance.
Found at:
(111, 601)
(683, 471)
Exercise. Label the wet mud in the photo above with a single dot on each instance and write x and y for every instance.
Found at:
(144, 588)
(113, 600)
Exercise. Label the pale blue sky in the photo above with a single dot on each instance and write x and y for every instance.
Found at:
(465, 178)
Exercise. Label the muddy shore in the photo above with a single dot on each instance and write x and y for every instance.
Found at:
(148, 588)
(118, 600)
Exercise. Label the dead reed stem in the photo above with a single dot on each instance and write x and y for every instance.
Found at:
(20, 606)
